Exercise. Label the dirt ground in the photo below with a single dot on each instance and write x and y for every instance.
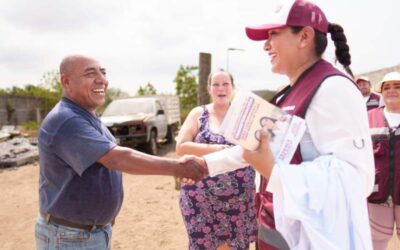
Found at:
(149, 218)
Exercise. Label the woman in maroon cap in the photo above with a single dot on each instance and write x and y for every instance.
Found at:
(319, 199)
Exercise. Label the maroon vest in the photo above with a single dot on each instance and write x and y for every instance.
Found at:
(295, 101)
(373, 101)
(386, 143)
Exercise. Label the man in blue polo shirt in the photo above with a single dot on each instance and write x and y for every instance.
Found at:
(80, 185)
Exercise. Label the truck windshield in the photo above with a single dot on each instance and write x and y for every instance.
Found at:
(129, 107)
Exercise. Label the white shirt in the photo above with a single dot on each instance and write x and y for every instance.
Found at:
(392, 118)
(338, 145)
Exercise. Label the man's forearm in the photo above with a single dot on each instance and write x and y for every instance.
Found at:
(134, 162)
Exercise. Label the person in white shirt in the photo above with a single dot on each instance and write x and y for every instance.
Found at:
(384, 202)
(319, 202)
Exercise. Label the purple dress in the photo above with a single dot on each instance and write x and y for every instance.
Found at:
(219, 209)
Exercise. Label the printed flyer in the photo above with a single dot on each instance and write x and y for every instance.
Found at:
(249, 114)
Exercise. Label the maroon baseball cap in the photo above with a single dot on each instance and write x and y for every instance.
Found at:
(294, 13)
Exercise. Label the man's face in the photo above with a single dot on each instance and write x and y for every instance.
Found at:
(85, 83)
(365, 87)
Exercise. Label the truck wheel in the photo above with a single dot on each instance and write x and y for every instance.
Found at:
(171, 133)
(151, 146)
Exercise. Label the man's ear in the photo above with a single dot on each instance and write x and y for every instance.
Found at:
(307, 35)
(65, 82)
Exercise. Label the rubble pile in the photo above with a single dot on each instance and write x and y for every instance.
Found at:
(18, 151)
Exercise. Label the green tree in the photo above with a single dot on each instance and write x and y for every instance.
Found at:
(48, 97)
(17, 91)
(28, 90)
(148, 89)
(186, 88)
(51, 81)
(112, 94)
(49, 90)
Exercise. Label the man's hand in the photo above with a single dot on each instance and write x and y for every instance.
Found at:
(191, 169)
(261, 159)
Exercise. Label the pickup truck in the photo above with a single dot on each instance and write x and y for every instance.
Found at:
(143, 121)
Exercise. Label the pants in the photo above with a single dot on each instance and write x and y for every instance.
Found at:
(52, 236)
(382, 219)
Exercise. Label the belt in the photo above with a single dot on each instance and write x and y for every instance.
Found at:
(52, 219)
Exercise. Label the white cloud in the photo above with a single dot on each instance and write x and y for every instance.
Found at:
(142, 41)
(56, 16)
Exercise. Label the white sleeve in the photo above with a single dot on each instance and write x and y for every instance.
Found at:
(225, 160)
(321, 205)
(337, 122)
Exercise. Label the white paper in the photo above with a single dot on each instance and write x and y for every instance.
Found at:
(249, 113)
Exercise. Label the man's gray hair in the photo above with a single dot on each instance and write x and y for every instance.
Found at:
(67, 62)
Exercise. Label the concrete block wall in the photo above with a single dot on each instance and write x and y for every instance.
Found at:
(25, 109)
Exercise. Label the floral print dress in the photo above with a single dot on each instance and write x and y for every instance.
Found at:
(219, 209)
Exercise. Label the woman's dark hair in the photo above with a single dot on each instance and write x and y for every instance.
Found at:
(221, 70)
(342, 49)
(337, 35)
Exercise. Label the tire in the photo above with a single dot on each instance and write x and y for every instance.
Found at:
(151, 146)
(171, 133)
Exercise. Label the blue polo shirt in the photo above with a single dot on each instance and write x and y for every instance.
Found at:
(72, 185)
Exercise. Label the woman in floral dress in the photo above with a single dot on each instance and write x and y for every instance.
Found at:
(218, 212)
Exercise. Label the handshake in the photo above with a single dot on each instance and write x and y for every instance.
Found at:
(190, 169)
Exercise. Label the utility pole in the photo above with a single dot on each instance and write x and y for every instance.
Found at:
(204, 71)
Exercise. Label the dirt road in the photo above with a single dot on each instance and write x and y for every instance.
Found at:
(149, 219)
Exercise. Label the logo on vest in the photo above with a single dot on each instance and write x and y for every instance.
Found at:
(372, 103)
(289, 108)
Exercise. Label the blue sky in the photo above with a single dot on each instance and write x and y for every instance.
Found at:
(146, 41)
